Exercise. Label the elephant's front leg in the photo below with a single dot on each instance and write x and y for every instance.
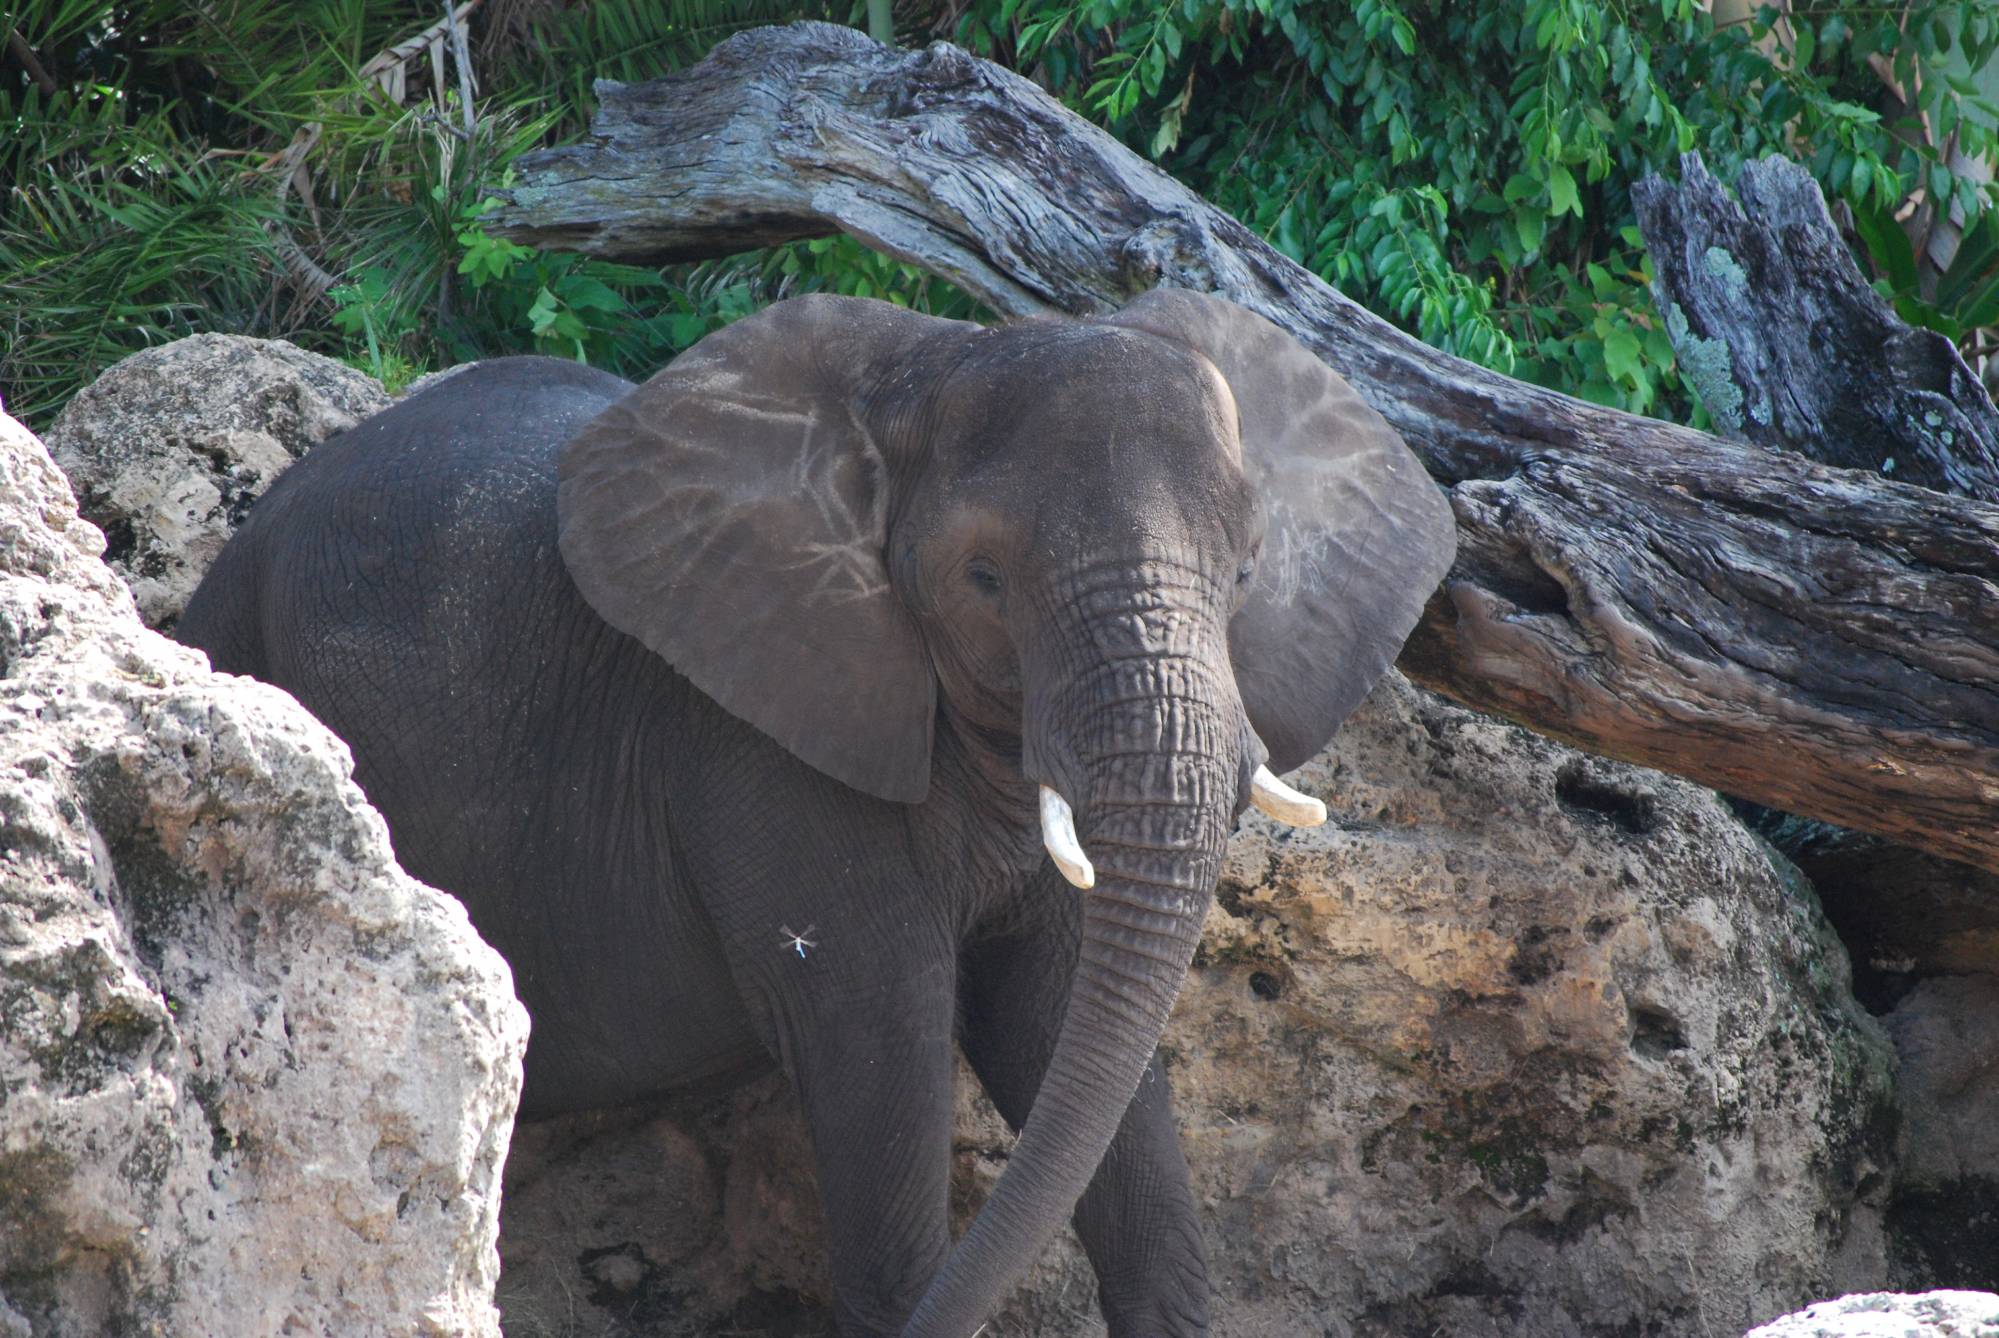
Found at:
(867, 1044)
(1137, 1220)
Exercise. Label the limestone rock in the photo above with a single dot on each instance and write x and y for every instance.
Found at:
(1943, 1218)
(253, 1078)
(168, 449)
(677, 1221)
(1521, 1043)
(1947, 1314)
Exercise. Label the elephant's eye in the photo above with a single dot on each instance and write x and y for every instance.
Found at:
(983, 575)
(1246, 570)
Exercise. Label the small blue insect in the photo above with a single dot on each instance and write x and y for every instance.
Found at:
(797, 941)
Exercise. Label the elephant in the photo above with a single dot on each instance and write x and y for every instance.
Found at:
(862, 685)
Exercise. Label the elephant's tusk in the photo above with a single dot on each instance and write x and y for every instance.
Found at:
(1271, 795)
(1058, 834)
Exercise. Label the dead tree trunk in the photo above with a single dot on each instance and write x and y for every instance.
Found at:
(1817, 640)
(1789, 347)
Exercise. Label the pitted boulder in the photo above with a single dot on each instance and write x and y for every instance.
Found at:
(168, 449)
(254, 1079)
(1942, 1314)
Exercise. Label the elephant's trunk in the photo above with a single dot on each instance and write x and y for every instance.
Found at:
(1158, 776)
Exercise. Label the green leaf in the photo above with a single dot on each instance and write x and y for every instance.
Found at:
(542, 314)
(1977, 250)
(1965, 197)
(1621, 355)
(1659, 347)
(1888, 185)
(1978, 305)
(1887, 245)
(1530, 225)
(581, 293)
(1562, 195)
(1915, 311)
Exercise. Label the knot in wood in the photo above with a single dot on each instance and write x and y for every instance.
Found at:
(944, 67)
(1167, 250)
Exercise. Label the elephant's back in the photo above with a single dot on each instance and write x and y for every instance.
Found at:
(402, 574)
(352, 537)
(469, 460)
(404, 577)
(451, 480)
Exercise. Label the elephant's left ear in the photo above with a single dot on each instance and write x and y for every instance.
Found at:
(731, 513)
(1357, 535)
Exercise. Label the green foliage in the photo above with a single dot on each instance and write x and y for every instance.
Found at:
(569, 48)
(135, 213)
(1462, 169)
(1963, 300)
(1465, 170)
(131, 247)
(193, 156)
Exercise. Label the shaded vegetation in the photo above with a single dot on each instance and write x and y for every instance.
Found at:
(308, 169)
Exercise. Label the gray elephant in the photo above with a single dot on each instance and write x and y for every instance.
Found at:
(767, 713)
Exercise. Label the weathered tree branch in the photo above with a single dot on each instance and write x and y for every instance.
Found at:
(26, 55)
(1790, 348)
(1815, 639)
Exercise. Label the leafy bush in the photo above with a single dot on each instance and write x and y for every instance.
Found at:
(242, 166)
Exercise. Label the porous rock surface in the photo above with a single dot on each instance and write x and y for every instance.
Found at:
(1943, 1216)
(168, 449)
(1924, 935)
(253, 1078)
(1520, 1043)
(1944, 1314)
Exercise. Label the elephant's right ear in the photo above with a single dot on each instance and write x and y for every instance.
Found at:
(731, 514)
(1357, 536)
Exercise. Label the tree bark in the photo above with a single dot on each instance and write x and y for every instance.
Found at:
(1791, 349)
(1818, 640)
(1788, 346)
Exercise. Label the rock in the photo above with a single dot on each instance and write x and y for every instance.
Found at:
(429, 379)
(253, 1078)
(680, 1220)
(1924, 934)
(168, 449)
(1950, 1314)
(1943, 1217)
(1521, 1043)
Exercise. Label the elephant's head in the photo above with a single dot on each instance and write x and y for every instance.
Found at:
(1133, 558)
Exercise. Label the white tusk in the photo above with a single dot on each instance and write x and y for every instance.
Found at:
(1058, 834)
(1271, 795)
